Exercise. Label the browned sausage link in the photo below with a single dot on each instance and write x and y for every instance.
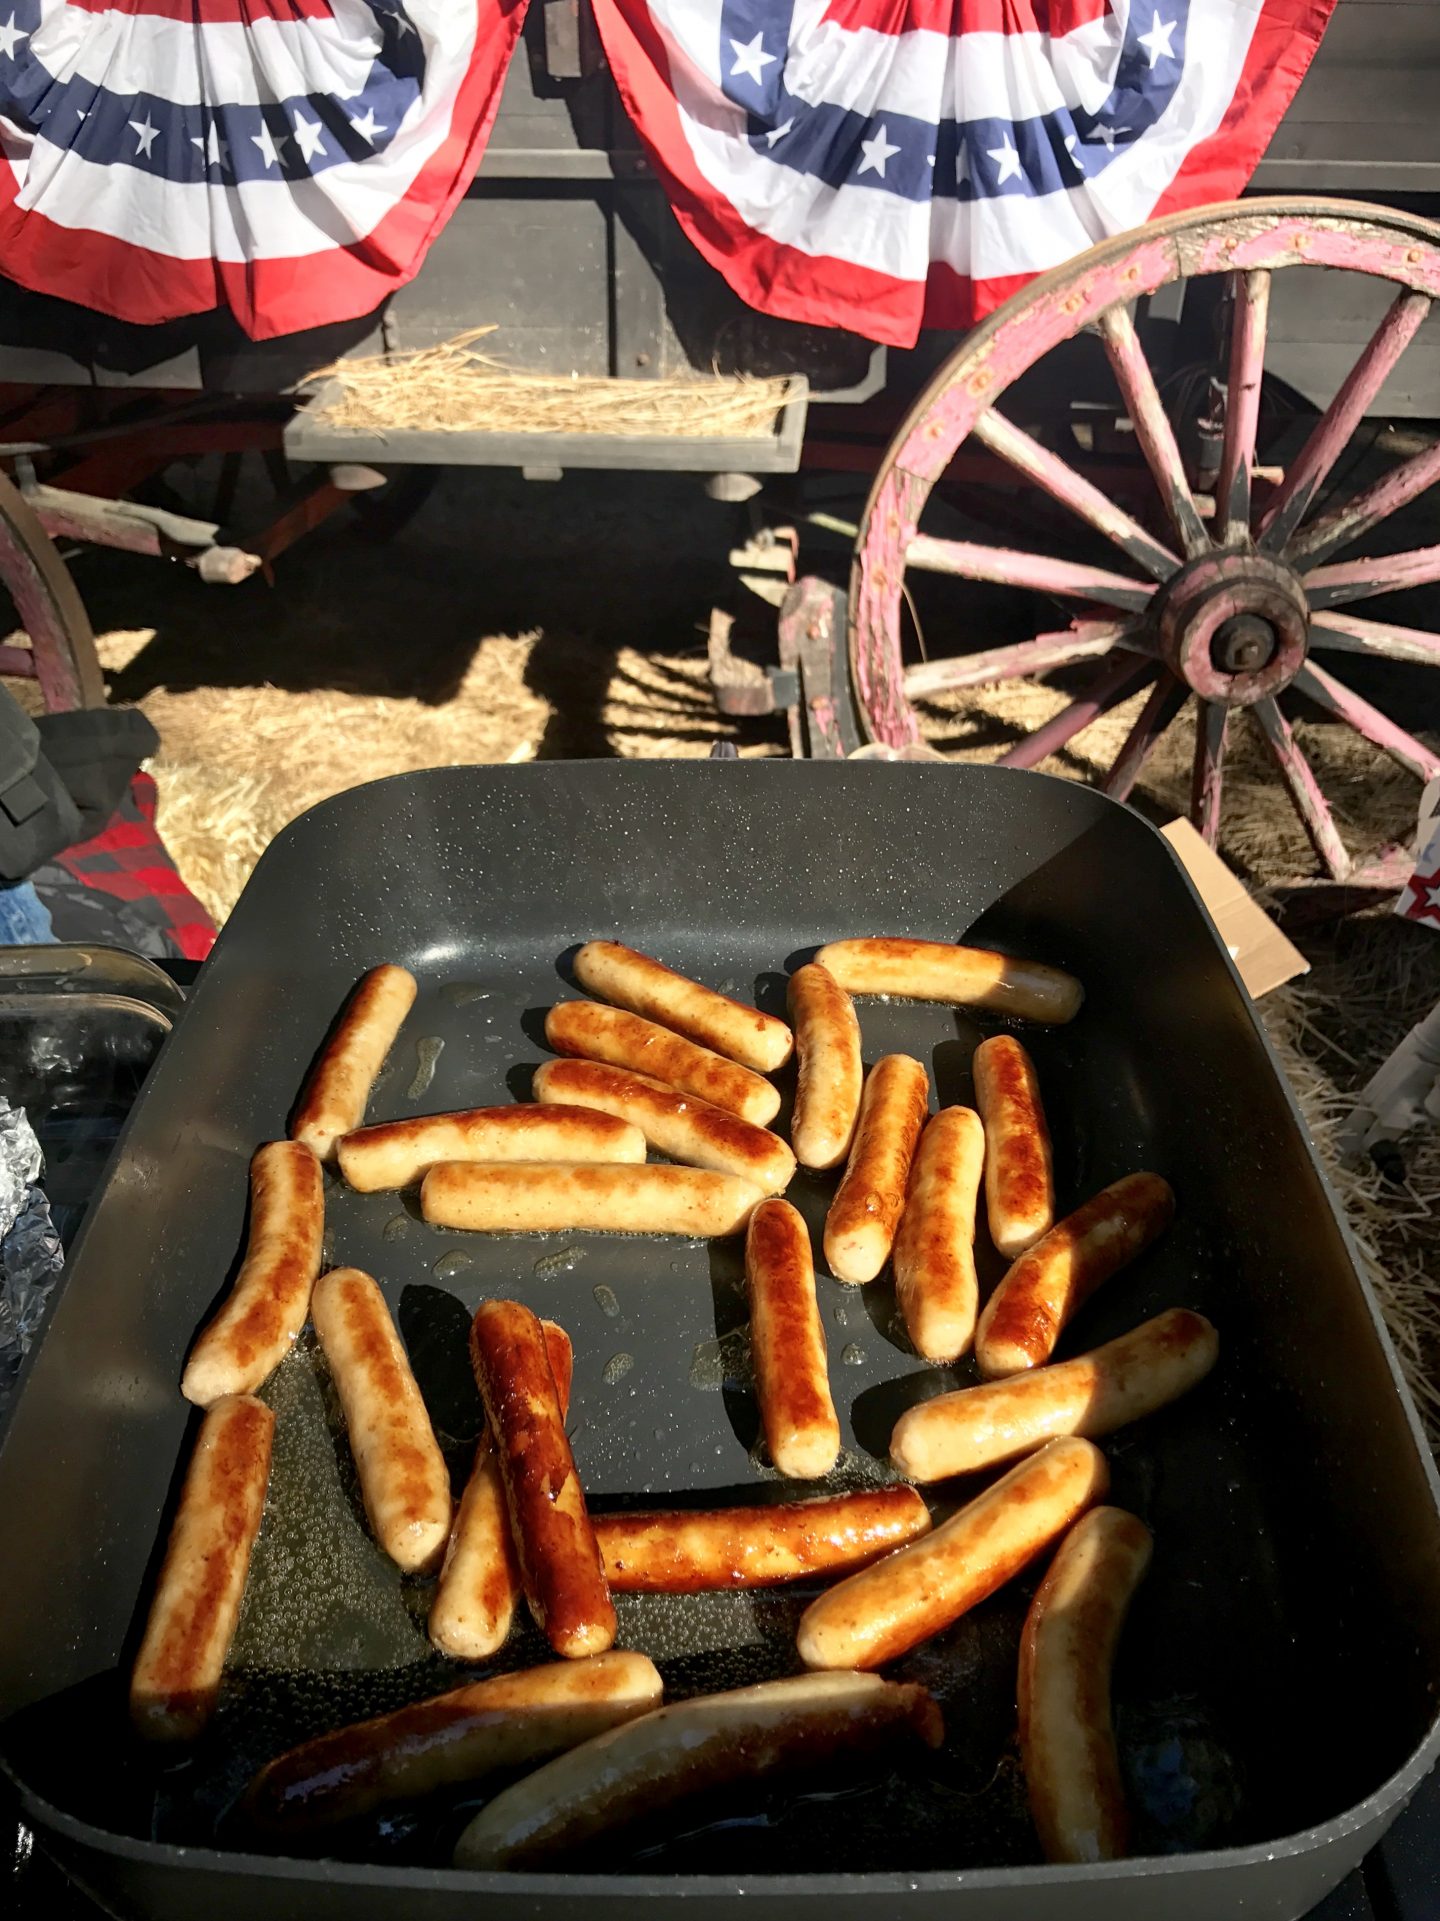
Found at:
(531, 1197)
(887, 1609)
(860, 1226)
(1047, 1286)
(1067, 1651)
(680, 1125)
(507, 1722)
(935, 1282)
(695, 1551)
(929, 970)
(334, 1097)
(688, 1751)
(830, 1074)
(625, 1040)
(176, 1678)
(559, 1557)
(266, 1308)
(632, 980)
(474, 1606)
(1019, 1177)
(404, 1481)
(1123, 1381)
(394, 1153)
(792, 1380)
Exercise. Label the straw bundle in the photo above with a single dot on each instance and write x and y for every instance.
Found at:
(453, 389)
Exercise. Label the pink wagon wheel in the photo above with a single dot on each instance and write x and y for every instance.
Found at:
(1230, 607)
(61, 655)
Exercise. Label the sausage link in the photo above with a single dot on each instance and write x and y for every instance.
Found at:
(860, 1226)
(932, 970)
(1048, 1285)
(792, 1380)
(935, 1282)
(609, 1034)
(403, 1478)
(687, 1752)
(1123, 1381)
(334, 1096)
(885, 1610)
(532, 1197)
(1067, 1653)
(696, 1551)
(1019, 1175)
(176, 1678)
(264, 1311)
(830, 1076)
(680, 1125)
(634, 981)
(474, 1606)
(508, 1722)
(559, 1558)
(394, 1153)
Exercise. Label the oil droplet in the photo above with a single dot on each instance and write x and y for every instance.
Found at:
(428, 1050)
(560, 1262)
(462, 993)
(853, 1356)
(659, 1433)
(397, 1225)
(605, 1300)
(451, 1264)
(842, 1319)
(617, 1367)
(674, 1267)
(706, 1370)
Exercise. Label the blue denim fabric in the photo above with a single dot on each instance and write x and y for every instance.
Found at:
(24, 918)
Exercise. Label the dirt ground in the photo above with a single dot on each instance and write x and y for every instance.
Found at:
(513, 620)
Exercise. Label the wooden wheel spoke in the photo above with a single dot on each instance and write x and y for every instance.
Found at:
(1152, 427)
(1060, 480)
(1115, 682)
(1363, 579)
(1348, 634)
(1304, 790)
(1166, 699)
(1331, 433)
(1082, 640)
(1011, 568)
(1249, 321)
(1212, 725)
(1391, 492)
(1338, 699)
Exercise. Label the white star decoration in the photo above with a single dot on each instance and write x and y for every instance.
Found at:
(1110, 135)
(214, 150)
(367, 127)
(144, 137)
(10, 38)
(751, 58)
(401, 24)
(779, 133)
(307, 138)
(962, 164)
(1007, 162)
(876, 151)
(269, 145)
(1157, 42)
(1072, 141)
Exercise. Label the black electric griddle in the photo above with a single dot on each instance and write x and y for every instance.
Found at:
(1276, 1692)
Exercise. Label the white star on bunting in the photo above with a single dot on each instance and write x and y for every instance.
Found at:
(1007, 161)
(876, 151)
(779, 133)
(1157, 42)
(751, 58)
(307, 138)
(214, 150)
(1110, 135)
(269, 145)
(10, 37)
(144, 136)
(962, 164)
(400, 23)
(367, 127)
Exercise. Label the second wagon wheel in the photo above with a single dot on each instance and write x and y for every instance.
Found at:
(61, 655)
(1229, 607)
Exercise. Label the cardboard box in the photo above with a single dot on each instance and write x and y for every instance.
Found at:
(1263, 957)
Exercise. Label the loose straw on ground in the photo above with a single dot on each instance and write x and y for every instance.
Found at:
(453, 389)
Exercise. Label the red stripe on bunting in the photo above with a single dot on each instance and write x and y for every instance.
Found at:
(205, 13)
(270, 297)
(951, 17)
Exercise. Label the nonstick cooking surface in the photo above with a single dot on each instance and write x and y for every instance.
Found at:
(483, 882)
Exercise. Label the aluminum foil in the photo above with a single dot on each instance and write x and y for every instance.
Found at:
(30, 1253)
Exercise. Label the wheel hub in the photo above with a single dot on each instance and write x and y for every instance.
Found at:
(1234, 626)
